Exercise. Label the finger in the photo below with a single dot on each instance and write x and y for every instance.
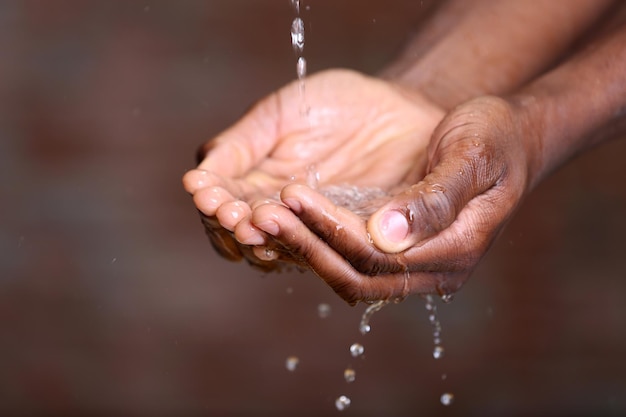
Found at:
(209, 199)
(255, 183)
(239, 148)
(287, 229)
(342, 230)
(248, 234)
(330, 266)
(463, 171)
(221, 240)
(452, 255)
(231, 213)
(196, 179)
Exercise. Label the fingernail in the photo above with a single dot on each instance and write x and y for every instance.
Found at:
(269, 226)
(293, 204)
(394, 226)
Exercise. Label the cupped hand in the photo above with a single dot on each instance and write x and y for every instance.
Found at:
(429, 237)
(340, 127)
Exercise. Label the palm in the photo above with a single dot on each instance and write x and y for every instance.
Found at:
(344, 129)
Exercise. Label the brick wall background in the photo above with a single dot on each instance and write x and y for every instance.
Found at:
(112, 301)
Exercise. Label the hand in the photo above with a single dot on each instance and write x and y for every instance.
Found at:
(344, 128)
(430, 237)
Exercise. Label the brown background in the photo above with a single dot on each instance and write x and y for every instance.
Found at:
(113, 303)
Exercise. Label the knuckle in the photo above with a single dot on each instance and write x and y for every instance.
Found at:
(435, 207)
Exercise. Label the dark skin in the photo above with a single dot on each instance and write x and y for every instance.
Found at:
(453, 180)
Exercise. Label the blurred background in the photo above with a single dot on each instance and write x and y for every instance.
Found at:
(112, 301)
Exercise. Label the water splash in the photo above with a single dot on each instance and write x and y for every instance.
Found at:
(362, 201)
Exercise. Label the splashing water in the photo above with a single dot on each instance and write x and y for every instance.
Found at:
(362, 201)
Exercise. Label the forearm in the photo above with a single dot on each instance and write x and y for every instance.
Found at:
(476, 47)
(577, 105)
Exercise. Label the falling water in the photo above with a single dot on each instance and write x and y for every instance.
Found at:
(364, 325)
(433, 319)
(342, 403)
(356, 350)
(292, 363)
(438, 350)
(447, 398)
(297, 42)
(349, 375)
(324, 310)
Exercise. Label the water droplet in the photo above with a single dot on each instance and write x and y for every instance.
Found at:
(447, 398)
(301, 68)
(447, 298)
(364, 326)
(349, 375)
(324, 310)
(264, 253)
(289, 290)
(292, 363)
(438, 352)
(438, 188)
(342, 403)
(357, 349)
(297, 35)
(296, 5)
(444, 377)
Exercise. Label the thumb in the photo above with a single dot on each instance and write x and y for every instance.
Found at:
(461, 173)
